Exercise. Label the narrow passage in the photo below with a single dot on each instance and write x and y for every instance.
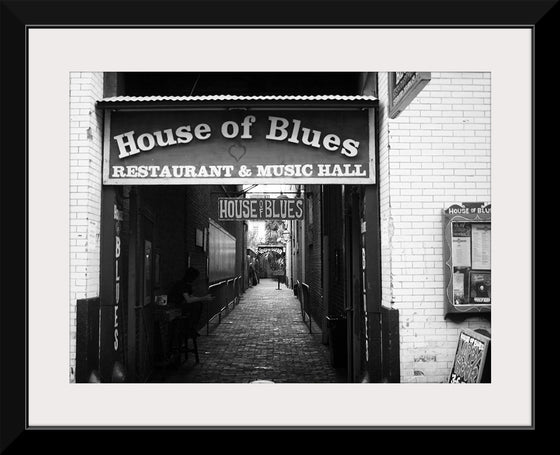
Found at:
(262, 338)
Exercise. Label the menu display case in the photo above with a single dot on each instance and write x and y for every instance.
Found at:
(467, 258)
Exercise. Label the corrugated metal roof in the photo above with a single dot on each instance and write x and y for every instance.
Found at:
(237, 100)
(240, 98)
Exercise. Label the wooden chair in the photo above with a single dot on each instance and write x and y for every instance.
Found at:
(188, 330)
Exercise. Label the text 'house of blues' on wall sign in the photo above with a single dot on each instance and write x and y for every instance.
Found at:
(238, 146)
(236, 209)
(467, 250)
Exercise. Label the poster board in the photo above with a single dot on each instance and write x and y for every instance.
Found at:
(221, 253)
(472, 358)
(467, 258)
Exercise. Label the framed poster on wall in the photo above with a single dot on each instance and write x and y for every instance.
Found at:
(467, 257)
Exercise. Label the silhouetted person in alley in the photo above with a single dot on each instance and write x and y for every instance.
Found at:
(189, 294)
(253, 273)
(189, 290)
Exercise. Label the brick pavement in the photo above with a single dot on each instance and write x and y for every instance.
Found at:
(262, 338)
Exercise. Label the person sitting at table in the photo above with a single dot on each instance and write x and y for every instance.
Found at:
(188, 289)
(190, 293)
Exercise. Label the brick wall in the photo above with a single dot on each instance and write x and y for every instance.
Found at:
(202, 203)
(179, 211)
(86, 126)
(437, 152)
(384, 193)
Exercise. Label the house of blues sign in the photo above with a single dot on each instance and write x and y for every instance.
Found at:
(236, 147)
(236, 209)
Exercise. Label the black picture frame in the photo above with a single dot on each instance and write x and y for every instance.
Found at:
(18, 17)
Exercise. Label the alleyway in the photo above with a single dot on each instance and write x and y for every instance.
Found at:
(262, 338)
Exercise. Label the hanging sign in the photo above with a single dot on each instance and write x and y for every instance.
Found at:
(403, 88)
(235, 209)
(272, 248)
(237, 147)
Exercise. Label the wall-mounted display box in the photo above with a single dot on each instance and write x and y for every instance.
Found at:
(467, 254)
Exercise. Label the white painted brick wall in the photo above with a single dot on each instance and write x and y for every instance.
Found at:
(384, 195)
(86, 127)
(437, 152)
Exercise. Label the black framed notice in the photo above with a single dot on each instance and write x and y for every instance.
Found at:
(467, 257)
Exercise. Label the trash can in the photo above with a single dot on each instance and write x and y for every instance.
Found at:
(336, 329)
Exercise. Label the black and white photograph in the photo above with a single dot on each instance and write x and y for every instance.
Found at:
(273, 225)
(324, 197)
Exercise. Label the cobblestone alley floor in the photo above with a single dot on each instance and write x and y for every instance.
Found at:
(262, 338)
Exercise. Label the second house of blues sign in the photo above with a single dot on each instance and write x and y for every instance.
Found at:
(236, 147)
